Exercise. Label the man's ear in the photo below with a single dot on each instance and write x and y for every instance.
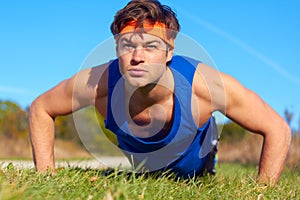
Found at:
(170, 53)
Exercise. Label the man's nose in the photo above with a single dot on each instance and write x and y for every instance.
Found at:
(138, 55)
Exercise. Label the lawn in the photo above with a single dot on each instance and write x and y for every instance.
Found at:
(233, 181)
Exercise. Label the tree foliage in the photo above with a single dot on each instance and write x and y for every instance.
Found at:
(13, 120)
(65, 128)
(232, 132)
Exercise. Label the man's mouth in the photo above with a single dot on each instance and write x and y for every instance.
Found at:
(136, 72)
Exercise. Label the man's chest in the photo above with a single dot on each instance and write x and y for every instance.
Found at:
(149, 121)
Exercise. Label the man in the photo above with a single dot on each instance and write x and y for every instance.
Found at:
(159, 106)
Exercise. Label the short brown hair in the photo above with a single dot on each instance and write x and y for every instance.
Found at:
(141, 10)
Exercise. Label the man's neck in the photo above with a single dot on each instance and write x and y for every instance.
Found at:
(152, 93)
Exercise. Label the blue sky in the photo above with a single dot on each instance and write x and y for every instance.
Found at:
(257, 42)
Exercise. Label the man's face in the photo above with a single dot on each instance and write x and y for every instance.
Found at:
(142, 58)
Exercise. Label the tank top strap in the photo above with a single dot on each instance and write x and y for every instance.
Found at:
(185, 66)
(113, 73)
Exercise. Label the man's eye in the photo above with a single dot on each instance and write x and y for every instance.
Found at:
(150, 47)
(128, 46)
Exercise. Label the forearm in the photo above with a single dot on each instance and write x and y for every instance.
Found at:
(42, 137)
(274, 152)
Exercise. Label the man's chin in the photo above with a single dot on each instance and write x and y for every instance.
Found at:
(136, 82)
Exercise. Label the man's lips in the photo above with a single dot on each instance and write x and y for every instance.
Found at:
(137, 72)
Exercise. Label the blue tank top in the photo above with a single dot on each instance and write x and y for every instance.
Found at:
(185, 148)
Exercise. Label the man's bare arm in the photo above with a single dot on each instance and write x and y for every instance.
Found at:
(68, 96)
(250, 111)
(57, 101)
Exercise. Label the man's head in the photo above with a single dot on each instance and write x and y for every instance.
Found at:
(144, 31)
(148, 15)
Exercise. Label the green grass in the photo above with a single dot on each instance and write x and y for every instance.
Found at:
(233, 181)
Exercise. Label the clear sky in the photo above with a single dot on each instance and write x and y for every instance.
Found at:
(257, 42)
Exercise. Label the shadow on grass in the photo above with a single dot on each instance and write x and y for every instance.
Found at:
(112, 173)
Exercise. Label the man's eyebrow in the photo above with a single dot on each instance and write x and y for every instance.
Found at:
(126, 40)
(153, 41)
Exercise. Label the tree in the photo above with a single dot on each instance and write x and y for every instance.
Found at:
(65, 128)
(13, 120)
(288, 116)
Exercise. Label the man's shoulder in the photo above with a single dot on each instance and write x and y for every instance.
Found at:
(93, 79)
